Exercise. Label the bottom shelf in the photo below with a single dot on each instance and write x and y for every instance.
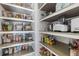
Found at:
(30, 54)
(58, 49)
(22, 53)
(15, 44)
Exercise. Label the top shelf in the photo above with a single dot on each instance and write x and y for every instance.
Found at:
(15, 8)
(71, 11)
(48, 7)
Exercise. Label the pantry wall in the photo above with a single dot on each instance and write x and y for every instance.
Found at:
(39, 29)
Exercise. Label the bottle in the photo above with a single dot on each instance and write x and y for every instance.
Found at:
(10, 26)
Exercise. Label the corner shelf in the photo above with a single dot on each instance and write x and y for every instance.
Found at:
(16, 8)
(57, 49)
(69, 11)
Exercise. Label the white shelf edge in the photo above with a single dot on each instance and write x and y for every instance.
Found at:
(61, 11)
(16, 19)
(18, 44)
(42, 6)
(12, 5)
(68, 35)
(29, 54)
(2, 32)
(49, 50)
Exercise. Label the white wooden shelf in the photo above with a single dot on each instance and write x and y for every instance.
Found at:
(57, 50)
(14, 44)
(68, 35)
(29, 54)
(16, 19)
(22, 53)
(5, 32)
(70, 11)
(49, 49)
(16, 8)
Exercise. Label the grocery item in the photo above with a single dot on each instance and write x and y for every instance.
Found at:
(29, 17)
(15, 50)
(18, 16)
(50, 27)
(25, 16)
(27, 27)
(18, 38)
(66, 4)
(28, 37)
(7, 38)
(18, 27)
(7, 26)
(48, 39)
(45, 52)
(5, 52)
(18, 48)
(58, 6)
(11, 50)
(29, 48)
(9, 14)
(60, 28)
(74, 52)
(24, 47)
(43, 14)
(75, 24)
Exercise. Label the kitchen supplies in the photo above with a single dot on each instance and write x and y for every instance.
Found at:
(5, 52)
(18, 27)
(7, 38)
(27, 27)
(7, 26)
(60, 28)
(75, 24)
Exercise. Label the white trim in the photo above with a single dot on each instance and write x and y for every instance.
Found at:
(1, 32)
(68, 35)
